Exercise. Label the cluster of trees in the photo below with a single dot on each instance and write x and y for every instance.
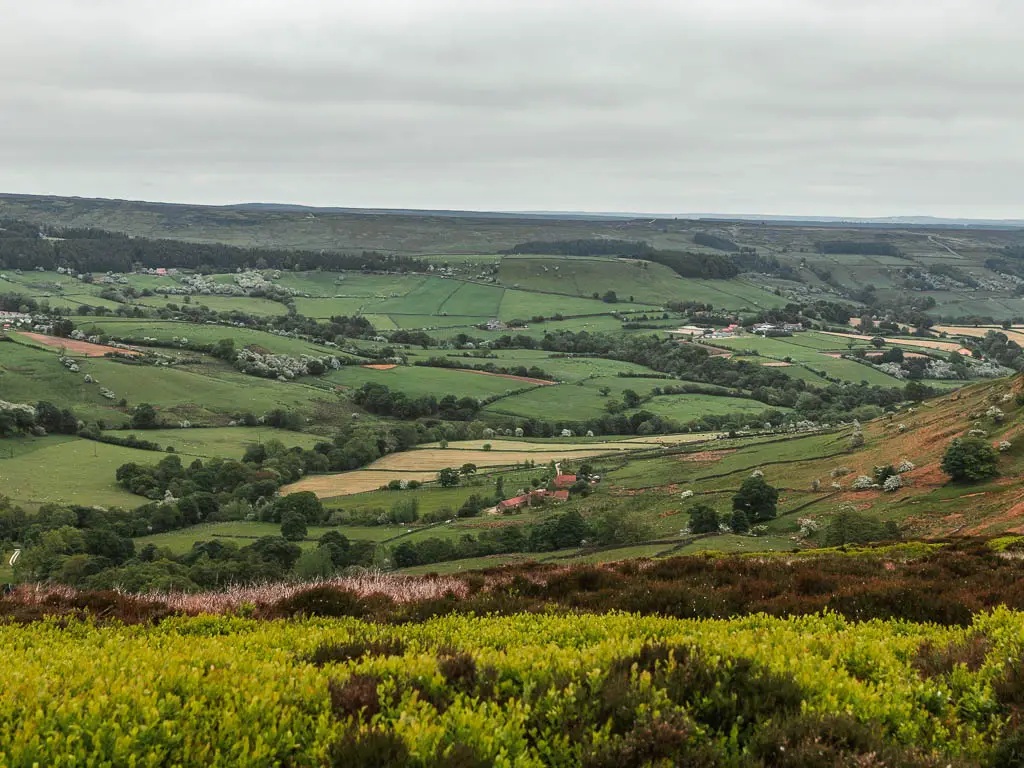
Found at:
(714, 241)
(381, 400)
(558, 531)
(43, 418)
(753, 504)
(93, 548)
(1000, 348)
(532, 372)
(97, 250)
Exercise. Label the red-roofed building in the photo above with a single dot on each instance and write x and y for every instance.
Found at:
(513, 503)
(564, 481)
(528, 499)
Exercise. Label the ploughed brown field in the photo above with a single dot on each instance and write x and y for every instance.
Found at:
(85, 348)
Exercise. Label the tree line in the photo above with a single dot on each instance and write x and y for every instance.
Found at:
(23, 246)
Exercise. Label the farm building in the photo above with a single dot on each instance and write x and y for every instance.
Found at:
(564, 481)
(727, 333)
(530, 498)
(692, 330)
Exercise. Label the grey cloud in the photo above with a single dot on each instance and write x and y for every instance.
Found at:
(790, 106)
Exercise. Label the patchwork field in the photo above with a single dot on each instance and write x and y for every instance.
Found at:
(422, 464)
(204, 394)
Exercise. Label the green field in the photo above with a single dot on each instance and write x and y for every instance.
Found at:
(652, 284)
(248, 305)
(685, 408)
(807, 351)
(229, 442)
(418, 381)
(583, 400)
(243, 533)
(207, 393)
(135, 330)
(66, 470)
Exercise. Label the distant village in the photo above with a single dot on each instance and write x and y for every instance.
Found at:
(734, 330)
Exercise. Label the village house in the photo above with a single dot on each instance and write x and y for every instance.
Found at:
(727, 333)
(564, 481)
(529, 499)
(10, 319)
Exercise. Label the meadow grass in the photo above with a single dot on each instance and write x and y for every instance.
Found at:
(65, 470)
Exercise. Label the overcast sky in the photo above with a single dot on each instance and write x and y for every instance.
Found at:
(814, 107)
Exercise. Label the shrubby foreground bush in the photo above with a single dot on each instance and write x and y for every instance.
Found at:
(526, 690)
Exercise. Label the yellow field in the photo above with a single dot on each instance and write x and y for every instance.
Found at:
(500, 445)
(437, 458)
(945, 346)
(423, 464)
(357, 481)
(696, 437)
(970, 330)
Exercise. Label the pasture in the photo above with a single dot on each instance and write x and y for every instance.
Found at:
(204, 394)
(228, 442)
(583, 400)
(422, 381)
(133, 331)
(243, 533)
(810, 352)
(246, 304)
(647, 282)
(66, 470)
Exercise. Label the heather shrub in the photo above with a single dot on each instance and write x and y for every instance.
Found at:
(932, 660)
(668, 738)
(834, 741)
(728, 695)
(381, 749)
(459, 671)
(336, 653)
(1008, 688)
(322, 601)
(356, 696)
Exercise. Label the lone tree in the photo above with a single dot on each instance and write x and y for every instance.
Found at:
(144, 417)
(970, 458)
(703, 519)
(293, 525)
(630, 398)
(448, 477)
(756, 499)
